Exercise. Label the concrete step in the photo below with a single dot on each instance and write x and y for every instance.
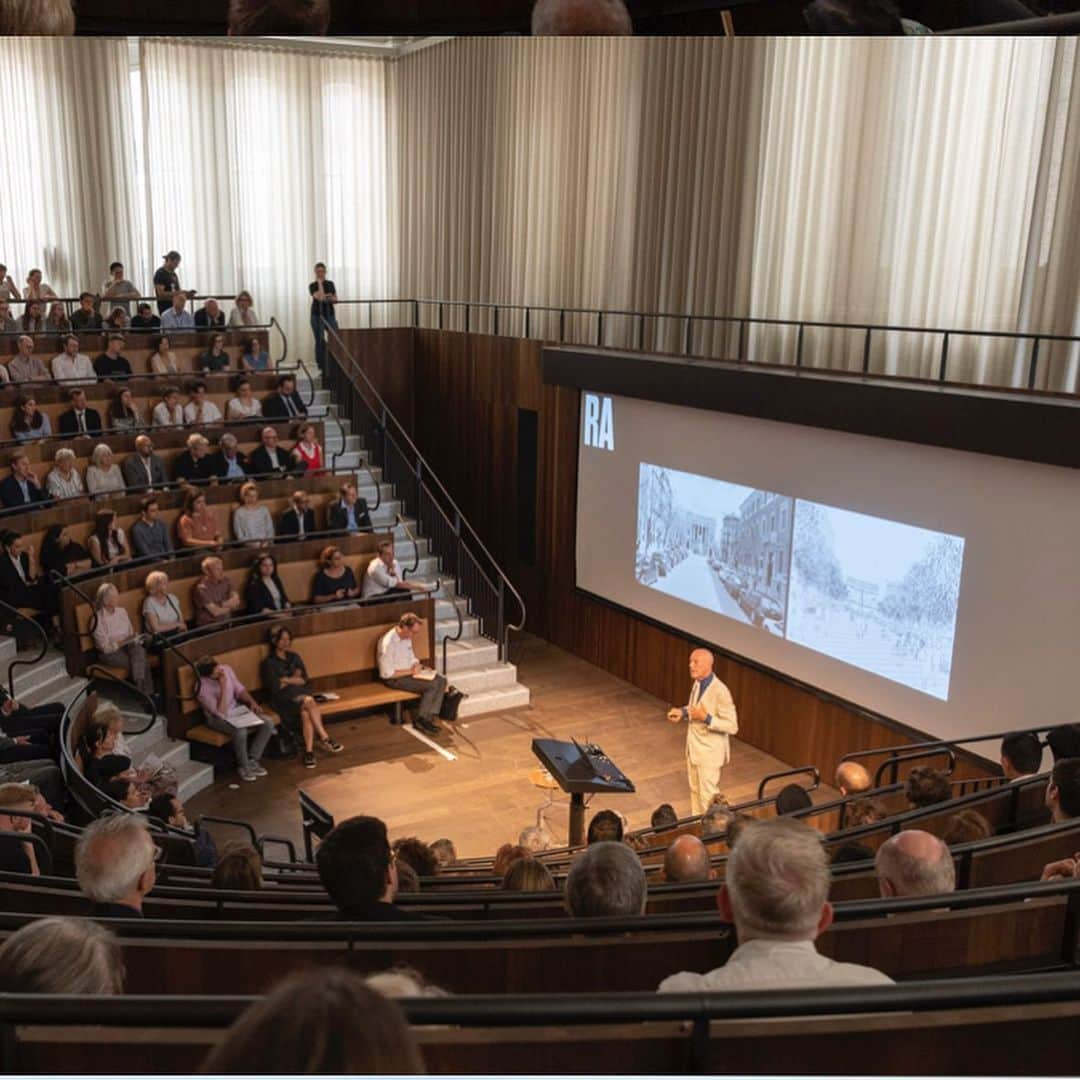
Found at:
(192, 777)
(444, 607)
(368, 491)
(172, 751)
(8, 652)
(474, 653)
(494, 701)
(470, 628)
(491, 677)
(62, 689)
(28, 679)
(142, 744)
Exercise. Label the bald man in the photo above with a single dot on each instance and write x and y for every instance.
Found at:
(687, 859)
(914, 863)
(852, 778)
(710, 719)
(581, 18)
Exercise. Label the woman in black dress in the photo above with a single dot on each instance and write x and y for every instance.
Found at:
(285, 678)
(265, 592)
(335, 581)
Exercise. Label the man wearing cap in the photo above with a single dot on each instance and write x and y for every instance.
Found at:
(399, 668)
(166, 282)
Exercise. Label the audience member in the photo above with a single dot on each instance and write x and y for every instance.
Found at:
(117, 287)
(605, 825)
(265, 592)
(210, 315)
(285, 679)
(125, 792)
(124, 414)
(1064, 741)
(791, 799)
(110, 364)
(25, 366)
(864, 812)
(534, 839)
(176, 316)
(663, 817)
(581, 18)
(17, 856)
(245, 405)
(56, 322)
(8, 289)
(927, 787)
(852, 851)
(195, 465)
(28, 422)
(736, 826)
(45, 777)
(145, 319)
(80, 418)
(215, 599)
(168, 412)
(161, 609)
(229, 708)
(167, 282)
(114, 865)
(162, 360)
(71, 367)
(202, 851)
(606, 879)
(28, 732)
(118, 320)
(251, 521)
(117, 643)
(914, 863)
(62, 554)
(357, 870)
(335, 580)
(63, 480)
(144, 470)
(213, 359)
(254, 357)
(286, 403)
(528, 875)
(58, 955)
(965, 827)
(1021, 755)
(407, 879)
(229, 462)
(270, 460)
(308, 451)
(197, 526)
(85, 318)
(107, 544)
(687, 859)
(100, 751)
(506, 856)
(402, 981)
(7, 323)
(383, 577)
(238, 870)
(36, 289)
(350, 512)
(776, 892)
(103, 475)
(243, 314)
(445, 852)
(400, 668)
(33, 319)
(852, 778)
(322, 1021)
(299, 519)
(253, 18)
(323, 304)
(417, 854)
(1063, 790)
(200, 410)
(21, 584)
(716, 820)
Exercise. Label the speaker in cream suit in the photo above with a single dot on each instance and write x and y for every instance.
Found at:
(710, 717)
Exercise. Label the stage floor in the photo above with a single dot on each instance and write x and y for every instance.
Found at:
(484, 797)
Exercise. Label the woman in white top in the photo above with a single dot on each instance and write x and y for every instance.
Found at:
(36, 289)
(168, 412)
(245, 405)
(162, 361)
(64, 481)
(107, 544)
(116, 641)
(103, 474)
(161, 610)
(125, 415)
(243, 314)
(252, 522)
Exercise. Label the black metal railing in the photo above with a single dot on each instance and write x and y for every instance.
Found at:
(11, 616)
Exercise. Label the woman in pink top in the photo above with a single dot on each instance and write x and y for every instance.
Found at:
(116, 641)
(198, 527)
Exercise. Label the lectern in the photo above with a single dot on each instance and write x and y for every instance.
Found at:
(579, 770)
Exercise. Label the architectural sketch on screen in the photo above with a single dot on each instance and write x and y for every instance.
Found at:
(721, 546)
(876, 594)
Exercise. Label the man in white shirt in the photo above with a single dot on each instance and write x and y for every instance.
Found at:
(168, 412)
(399, 668)
(383, 577)
(200, 409)
(776, 893)
(73, 367)
(177, 317)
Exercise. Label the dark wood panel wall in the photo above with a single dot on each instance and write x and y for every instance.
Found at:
(467, 390)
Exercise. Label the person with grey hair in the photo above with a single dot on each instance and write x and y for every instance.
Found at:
(715, 820)
(914, 863)
(606, 879)
(57, 955)
(64, 480)
(444, 851)
(776, 892)
(534, 839)
(581, 18)
(687, 859)
(114, 865)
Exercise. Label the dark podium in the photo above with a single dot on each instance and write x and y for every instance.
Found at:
(579, 769)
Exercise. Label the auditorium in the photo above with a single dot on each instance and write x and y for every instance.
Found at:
(540, 538)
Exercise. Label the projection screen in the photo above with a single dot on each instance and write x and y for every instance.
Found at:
(937, 587)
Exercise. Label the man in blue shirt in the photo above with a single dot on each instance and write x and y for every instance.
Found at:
(177, 317)
(350, 512)
(149, 536)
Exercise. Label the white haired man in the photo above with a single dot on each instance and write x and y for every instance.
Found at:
(114, 865)
(776, 893)
(914, 863)
(606, 879)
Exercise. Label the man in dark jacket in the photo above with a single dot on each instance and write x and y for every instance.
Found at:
(80, 419)
(229, 462)
(350, 512)
(194, 465)
(271, 461)
(286, 404)
(299, 519)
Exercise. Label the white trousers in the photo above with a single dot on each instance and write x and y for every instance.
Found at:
(704, 784)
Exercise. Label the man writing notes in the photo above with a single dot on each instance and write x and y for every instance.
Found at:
(711, 719)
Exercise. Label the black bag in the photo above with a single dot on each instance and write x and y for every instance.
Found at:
(282, 744)
(451, 702)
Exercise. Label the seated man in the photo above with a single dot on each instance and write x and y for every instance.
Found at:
(581, 18)
(1063, 790)
(145, 319)
(176, 317)
(606, 880)
(1021, 756)
(149, 536)
(86, 318)
(776, 892)
(21, 487)
(144, 469)
(170, 810)
(215, 599)
(114, 865)
(71, 367)
(299, 519)
(80, 418)
(914, 863)
(209, 315)
(927, 787)
(110, 364)
(230, 709)
(200, 409)
(349, 513)
(664, 816)
(30, 730)
(605, 826)
(791, 799)
(687, 859)
(399, 667)
(230, 462)
(16, 857)
(43, 776)
(195, 465)
(286, 403)
(383, 579)
(357, 870)
(270, 460)
(852, 778)
(25, 366)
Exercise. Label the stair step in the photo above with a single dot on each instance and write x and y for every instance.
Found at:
(142, 744)
(473, 653)
(49, 668)
(172, 751)
(192, 777)
(490, 677)
(62, 689)
(493, 701)
(470, 628)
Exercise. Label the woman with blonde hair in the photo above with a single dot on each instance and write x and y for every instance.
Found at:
(57, 955)
(528, 875)
(161, 610)
(251, 521)
(244, 313)
(117, 643)
(37, 18)
(239, 869)
(103, 475)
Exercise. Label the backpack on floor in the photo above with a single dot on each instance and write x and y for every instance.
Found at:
(451, 702)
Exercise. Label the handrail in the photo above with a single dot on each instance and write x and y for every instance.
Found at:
(274, 324)
(270, 838)
(17, 662)
(399, 520)
(41, 849)
(811, 769)
(65, 582)
(40, 820)
(919, 755)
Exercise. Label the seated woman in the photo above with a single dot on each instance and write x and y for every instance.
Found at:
(215, 358)
(64, 481)
(28, 422)
(126, 793)
(161, 609)
(103, 475)
(285, 678)
(245, 405)
(57, 321)
(168, 412)
(62, 554)
(107, 543)
(117, 320)
(117, 643)
(254, 356)
(162, 361)
(335, 580)
(124, 414)
(244, 313)
(308, 450)
(265, 593)
(104, 756)
(252, 523)
(197, 526)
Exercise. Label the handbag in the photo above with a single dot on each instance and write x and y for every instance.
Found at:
(282, 744)
(451, 702)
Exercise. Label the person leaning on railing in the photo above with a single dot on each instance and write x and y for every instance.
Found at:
(36, 289)
(117, 287)
(323, 302)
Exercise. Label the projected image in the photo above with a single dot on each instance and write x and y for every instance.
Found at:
(876, 594)
(718, 545)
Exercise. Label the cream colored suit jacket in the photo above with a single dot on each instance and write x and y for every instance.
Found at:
(708, 745)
